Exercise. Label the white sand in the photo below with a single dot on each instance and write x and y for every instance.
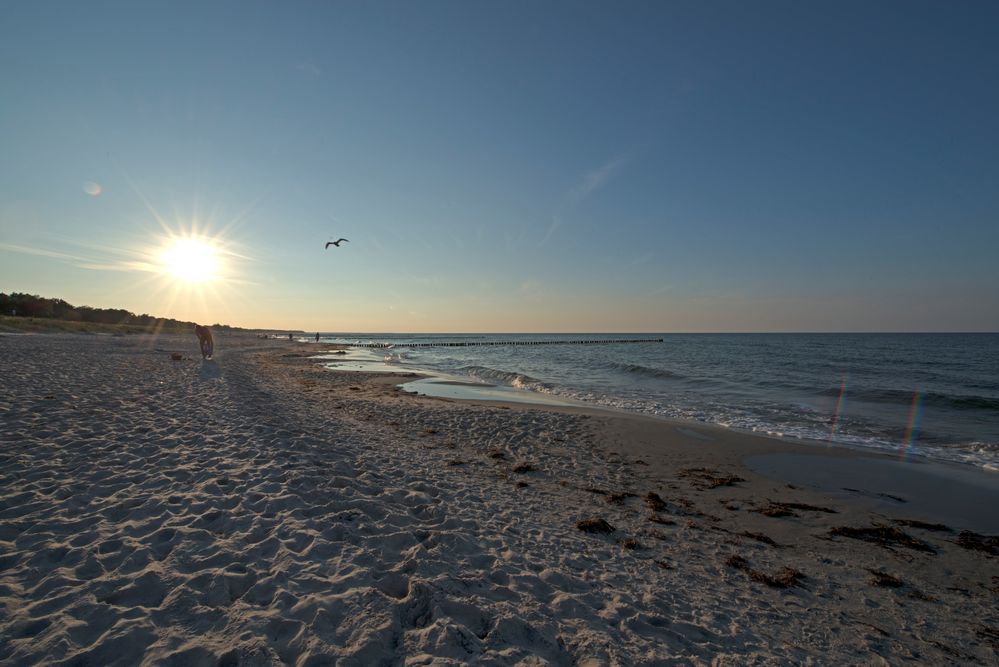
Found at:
(257, 510)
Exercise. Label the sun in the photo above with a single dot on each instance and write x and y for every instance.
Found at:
(190, 259)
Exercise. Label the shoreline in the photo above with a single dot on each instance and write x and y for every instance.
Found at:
(959, 494)
(261, 509)
(442, 384)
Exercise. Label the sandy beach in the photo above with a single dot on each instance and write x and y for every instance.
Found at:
(257, 509)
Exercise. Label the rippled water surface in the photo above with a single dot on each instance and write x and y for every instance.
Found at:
(935, 395)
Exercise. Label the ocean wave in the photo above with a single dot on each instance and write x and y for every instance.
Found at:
(800, 427)
(396, 358)
(990, 449)
(953, 401)
(639, 369)
(519, 380)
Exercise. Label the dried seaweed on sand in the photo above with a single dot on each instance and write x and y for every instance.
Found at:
(594, 526)
(883, 535)
(884, 580)
(707, 478)
(785, 577)
(778, 509)
(988, 544)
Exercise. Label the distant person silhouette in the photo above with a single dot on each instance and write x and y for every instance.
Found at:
(317, 336)
(205, 341)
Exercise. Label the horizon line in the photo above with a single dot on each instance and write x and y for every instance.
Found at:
(621, 333)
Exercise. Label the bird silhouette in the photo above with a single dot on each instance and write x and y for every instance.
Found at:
(336, 243)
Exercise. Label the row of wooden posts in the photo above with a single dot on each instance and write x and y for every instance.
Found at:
(513, 342)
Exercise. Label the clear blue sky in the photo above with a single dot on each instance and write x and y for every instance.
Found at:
(508, 166)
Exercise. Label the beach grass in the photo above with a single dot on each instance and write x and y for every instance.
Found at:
(9, 324)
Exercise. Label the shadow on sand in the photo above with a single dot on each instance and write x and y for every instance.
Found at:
(210, 370)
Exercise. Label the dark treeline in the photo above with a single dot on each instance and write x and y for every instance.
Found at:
(32, 305)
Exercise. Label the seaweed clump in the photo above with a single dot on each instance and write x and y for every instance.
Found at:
(988, 544)
(655, 502)
(913, 523)
(775, 509)
(706, 478)
(620, 497)
(594, 526)
(883, 535)
(786, 577)
(884, 580)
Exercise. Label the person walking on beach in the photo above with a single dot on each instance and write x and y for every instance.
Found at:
(205, 341)
(317, 336)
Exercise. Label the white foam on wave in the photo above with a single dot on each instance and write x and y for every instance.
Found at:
(799, 420)
(978, 454)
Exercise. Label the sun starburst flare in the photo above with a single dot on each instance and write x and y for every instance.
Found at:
(192, 272)
(191, 260)
(185, 272)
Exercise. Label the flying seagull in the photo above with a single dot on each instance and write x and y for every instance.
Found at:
(336, 243)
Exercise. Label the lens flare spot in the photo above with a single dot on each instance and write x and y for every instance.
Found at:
(93, 189)
(839, 410)
(915, 421)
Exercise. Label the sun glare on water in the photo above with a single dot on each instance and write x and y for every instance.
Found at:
(190, 260)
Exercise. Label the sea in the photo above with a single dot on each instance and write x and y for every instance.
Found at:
(934, 396)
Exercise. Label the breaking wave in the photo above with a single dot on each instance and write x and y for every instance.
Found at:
(648, 371)
(519, 380)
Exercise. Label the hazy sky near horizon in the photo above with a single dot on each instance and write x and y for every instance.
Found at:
(507, 166)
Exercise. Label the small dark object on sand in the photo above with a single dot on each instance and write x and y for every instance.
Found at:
(889, 496)
(989, 633)
(809, 508)
(883, 535)
(176, 356)
(524, 467)
(775, 509)
(885, 580)
(706, 478)
(913, 523)
(662, 522)
(594, 526)
(986, 543)
(631, 544)
(655, 502)
(786, 577)
(618, 498)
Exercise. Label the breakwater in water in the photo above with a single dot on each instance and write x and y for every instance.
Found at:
(509, 342)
